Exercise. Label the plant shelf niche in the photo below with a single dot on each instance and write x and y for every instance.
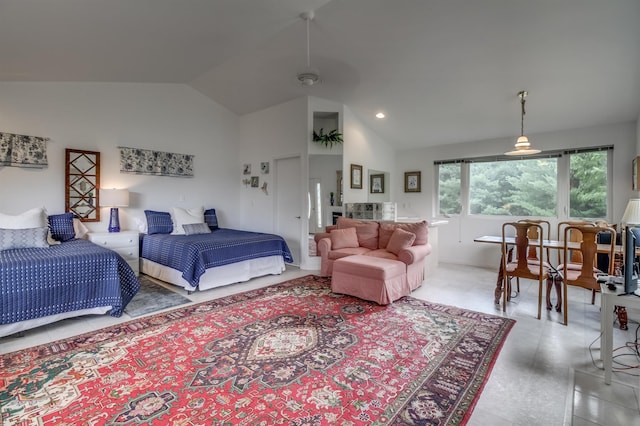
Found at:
(326, 133)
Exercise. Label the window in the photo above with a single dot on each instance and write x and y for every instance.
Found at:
(572, 184)
(588, 184)
(449, 188)
(514, 188)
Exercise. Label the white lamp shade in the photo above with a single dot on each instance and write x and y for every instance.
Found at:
(114, 197)
(631, 214)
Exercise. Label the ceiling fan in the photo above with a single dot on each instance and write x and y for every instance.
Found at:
(308, 76)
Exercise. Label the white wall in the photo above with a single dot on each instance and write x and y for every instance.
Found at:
(101, 117)
(275, 132)
(364, 147)
(456, 239)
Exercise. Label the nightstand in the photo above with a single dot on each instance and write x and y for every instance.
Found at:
(124, 243)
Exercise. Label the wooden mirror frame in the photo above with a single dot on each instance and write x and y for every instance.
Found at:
(82, 184)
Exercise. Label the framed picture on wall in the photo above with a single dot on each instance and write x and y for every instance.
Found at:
(356, 176)
(376, 184)
(635, 184)
(412, 182)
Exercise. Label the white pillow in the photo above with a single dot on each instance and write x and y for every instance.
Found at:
(141, 224)
(34, 218)
(181, 216)
(80, 228)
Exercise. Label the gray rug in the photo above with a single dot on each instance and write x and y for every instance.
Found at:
(153, 297)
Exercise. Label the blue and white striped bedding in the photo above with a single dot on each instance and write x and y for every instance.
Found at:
(194, 254)
(77, 274)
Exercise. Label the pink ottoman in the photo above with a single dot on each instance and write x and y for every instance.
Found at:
(370, 278)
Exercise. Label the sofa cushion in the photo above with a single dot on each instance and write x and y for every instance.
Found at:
(382, 253)
(420, 229)
(400, 239)
(343, 238)
(367, 231)
(340, 253)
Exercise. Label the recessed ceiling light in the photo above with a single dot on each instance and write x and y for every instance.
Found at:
(380, 115)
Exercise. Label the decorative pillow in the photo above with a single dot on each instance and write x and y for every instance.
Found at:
(182, 216)
(400, 239)
(196, 228)
(141, 224)
(418, 228)
(23, 238)
(79, 228)
(61, 226)
(367, 231)
(211, 219)
(34, 218)
(344, 238)
(158, 222)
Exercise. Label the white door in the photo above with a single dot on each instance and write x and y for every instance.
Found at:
(288, 205)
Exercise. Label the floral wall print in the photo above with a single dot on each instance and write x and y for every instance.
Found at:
(23, 151)
(159, 163)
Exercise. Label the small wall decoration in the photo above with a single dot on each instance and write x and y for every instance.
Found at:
(23, 151)
(635, 183)
(412, 182)
(264, 168)
(158, 163)
(246, 182)
(376, 184)
(255, 181)
(264, 188)
(356, 176)
(246, 169)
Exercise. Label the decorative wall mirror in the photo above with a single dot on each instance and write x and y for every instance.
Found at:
(82, 173)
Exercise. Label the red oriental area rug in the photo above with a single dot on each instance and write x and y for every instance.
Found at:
(289, 354)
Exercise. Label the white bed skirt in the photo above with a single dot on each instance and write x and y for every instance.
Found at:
(220, 275)
(16, 327)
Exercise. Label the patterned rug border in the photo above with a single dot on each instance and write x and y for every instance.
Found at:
(138, 324)
(464, 407)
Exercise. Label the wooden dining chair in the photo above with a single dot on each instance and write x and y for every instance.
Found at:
(584, 273)
(532, 234)
(574, 235)
(520, 265)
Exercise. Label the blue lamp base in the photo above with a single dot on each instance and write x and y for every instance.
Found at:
(114, 220)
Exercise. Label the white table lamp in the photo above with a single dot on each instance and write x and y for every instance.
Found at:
(631, 216)
(114, 198)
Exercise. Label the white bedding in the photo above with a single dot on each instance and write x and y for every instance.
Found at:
(16, 327)
(220, 275)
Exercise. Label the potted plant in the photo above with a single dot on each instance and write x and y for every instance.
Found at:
(334, 137)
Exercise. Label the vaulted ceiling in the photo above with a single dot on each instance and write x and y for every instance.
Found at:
(444, 71)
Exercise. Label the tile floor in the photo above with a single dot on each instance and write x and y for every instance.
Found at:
(546, 373)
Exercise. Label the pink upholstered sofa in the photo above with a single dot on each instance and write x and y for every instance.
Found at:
(373, 239)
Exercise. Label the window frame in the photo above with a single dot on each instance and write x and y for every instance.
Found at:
(563, 181)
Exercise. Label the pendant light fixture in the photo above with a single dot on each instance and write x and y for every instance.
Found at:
(522, 146)
(309, 76)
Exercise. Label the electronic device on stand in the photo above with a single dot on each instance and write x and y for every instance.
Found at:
(631, 239)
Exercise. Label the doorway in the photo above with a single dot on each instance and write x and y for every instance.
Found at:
(288, 206)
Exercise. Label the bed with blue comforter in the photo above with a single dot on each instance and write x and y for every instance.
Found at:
(224, 255)
(74, 276)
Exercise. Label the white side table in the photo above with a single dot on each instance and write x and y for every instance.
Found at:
(609, 299)
(125, 243)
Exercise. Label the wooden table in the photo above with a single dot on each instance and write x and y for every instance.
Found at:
(609, 300)
(551, 244)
